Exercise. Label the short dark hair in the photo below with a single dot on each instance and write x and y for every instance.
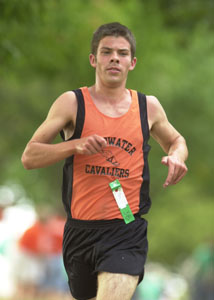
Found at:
(112, 29)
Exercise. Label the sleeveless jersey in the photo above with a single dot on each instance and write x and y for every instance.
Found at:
(86, 193)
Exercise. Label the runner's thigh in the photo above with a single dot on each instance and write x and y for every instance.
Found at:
(116, 286)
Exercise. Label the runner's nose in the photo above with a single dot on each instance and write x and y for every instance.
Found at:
(114, 57)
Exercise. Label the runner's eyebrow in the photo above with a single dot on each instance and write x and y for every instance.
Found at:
(108, 48)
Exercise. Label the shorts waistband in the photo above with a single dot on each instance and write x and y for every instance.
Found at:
(96, 223)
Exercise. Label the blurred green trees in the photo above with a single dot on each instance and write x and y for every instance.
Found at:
(44, 48)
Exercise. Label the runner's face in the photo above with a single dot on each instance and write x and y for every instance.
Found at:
(113, 60)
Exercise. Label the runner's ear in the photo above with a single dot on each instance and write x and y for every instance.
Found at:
(92, 60)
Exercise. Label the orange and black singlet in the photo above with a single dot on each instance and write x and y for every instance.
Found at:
(85, 191)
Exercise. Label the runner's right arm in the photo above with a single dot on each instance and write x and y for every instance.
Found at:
(40, 152)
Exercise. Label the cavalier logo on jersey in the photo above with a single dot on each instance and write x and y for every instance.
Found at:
(111, 158)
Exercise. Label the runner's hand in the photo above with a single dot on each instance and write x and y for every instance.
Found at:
(90, 145)
(177, 170)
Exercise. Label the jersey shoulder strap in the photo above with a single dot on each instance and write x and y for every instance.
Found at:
(144, 116)
(80, 116)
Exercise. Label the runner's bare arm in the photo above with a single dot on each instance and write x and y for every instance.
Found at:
(40, 152)
(171, 141)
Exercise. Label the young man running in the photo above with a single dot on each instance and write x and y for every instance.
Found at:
(106, 128)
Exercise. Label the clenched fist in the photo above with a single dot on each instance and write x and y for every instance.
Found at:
(90, 145)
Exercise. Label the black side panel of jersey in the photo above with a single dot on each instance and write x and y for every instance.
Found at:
(67, 183)
(145, 201)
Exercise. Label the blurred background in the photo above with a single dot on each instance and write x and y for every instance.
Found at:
(44, 49)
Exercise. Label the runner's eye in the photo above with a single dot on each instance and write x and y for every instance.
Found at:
(124, 53)
(105, 52)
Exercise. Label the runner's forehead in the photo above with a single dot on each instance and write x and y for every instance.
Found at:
(112, 42)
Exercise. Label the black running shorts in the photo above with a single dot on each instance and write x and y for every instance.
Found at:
(90, 247)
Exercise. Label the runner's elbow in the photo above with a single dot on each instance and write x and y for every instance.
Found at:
(26, 162)
(26, 159)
